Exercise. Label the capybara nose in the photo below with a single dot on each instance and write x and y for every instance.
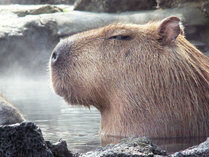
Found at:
(55, 57)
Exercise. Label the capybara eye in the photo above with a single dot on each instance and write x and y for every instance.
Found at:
(120, 37)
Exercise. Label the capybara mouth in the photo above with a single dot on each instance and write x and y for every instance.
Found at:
(61, 92)
(67, 95)
(57, 82)
(60, 87)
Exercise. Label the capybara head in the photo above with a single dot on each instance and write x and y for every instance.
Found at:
(146, 80)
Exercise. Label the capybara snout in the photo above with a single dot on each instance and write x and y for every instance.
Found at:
(60, 52)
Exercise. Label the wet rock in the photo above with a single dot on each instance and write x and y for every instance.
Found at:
(142, 147)
(22, 140)
(201, 150)
(25, 139)
(37, 1)
(131, 147)
(48, 9)
(114, 6)
(59, 149)
(8, 113)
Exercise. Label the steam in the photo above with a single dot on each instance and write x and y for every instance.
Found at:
(37, 103)
(25, 82)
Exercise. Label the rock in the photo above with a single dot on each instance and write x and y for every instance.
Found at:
(19, 1)
(37, 1)
(25, 139)
(137, 147)
(8, 113)
(71, 22)
(201, 150)
(34, 36)
(142, 147)
(177, 3)
(205, 8)
(45, 10)
(48, 9)
(59, 149)
(57, 1)
(22, 140)
(114, 6)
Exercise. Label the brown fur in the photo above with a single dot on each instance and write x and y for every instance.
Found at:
(141, 86)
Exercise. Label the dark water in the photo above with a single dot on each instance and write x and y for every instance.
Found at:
(77, 125)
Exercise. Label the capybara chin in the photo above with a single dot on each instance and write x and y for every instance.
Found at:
(146, 80)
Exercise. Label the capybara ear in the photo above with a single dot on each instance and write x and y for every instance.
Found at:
(169, 29)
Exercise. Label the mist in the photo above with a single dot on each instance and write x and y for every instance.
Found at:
(25, 82)
(30, 90)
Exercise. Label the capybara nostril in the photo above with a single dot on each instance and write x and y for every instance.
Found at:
(54, 57)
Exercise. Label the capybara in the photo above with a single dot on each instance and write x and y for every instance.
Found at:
(146, 80)
(8, 113)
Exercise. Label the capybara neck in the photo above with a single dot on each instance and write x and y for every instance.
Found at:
(146, 80)
(164, 102)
